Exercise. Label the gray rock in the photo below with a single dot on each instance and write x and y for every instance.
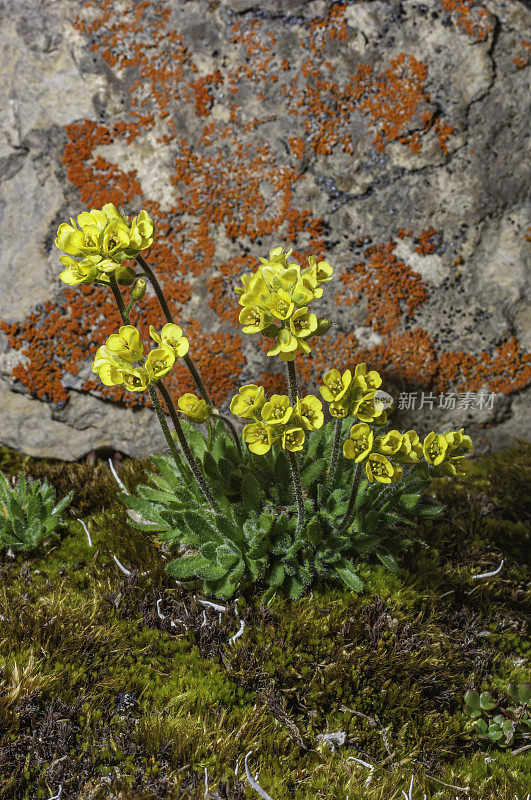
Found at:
(475, 195)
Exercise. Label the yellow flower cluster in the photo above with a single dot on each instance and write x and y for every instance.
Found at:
(194, 408)
(120, 362)
(103, 240)
(276, 300)
(354, 395)
(275, 420)
(384, 455)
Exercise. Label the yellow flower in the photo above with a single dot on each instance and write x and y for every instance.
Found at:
(280, 304)
(301, 294)
(77, 242)
(115, 239)
(379, 468)
(286, 346)
(110, 374)
(159, 362)
(372, 379)
(390, 443)
(249, 401)
(256, 291)
(309, 411)
(193, 407)
(360, 442)
(434, 448)
(171, 335)
(77, 271)
(454, 466)
(370, 409)
(277, 411)
(259, 437)
(322, 270)
(335, 385)
(277, 256)
(338, 410)
(292, 439)
(302, 324)
(278, 277)
(140, 233)
(458, 440)
(126, 343)
(411, 450)
(135, 379)
(253, 319)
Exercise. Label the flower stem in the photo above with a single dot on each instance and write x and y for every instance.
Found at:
(124, 312)
(292, 382)
(334, 458)
(295, 474)
(165, 429)
(353, 495)
(169, 318)
(194, 466)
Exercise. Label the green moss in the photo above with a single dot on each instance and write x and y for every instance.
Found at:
(389, 667)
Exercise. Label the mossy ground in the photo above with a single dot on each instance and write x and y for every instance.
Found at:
(388, 667)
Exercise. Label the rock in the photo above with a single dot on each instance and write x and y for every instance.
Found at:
(381, 127)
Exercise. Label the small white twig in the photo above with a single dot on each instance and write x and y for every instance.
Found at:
(215, 606)
(204, 619)
(449, 785)
(239, 633)
(253, 782)
(116, 478)
(409, 796)
(86, 531)
(364, 764)
(122, 568)
(207, 793)
(59, 793)
(489, 574)
(159, 613)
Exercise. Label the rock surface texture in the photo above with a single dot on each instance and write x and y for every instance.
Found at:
(391, 138)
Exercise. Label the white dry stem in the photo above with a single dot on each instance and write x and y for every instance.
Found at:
(86, 531)
(239, 633)
(116, 478)
(161, 616)
(59, 793)
(489, 574)
(215, 606)
(207, 793)
(122, 568)
(252, 781)
(364, 764)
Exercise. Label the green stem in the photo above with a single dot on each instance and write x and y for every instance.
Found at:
(156, 286)
(169, 318)
(194, 466)
(353, 494)
(295, 474)
(292, 382)
(124, 312)
(165, 429)
(334, 458)
(233, 433)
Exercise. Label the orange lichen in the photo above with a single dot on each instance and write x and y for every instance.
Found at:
(273, 383)
(390, 286)
(523, 58)
(471, 18)
(507, 370)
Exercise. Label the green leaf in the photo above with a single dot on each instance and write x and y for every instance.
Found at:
(312, 472)
(486, 701)
(314, 532)
(429, 512)
(250, 493)
(408, 501)
(210, 467)
(282, 470)
(346, 572)
(315, 440)
(388, 561)
(276, 576)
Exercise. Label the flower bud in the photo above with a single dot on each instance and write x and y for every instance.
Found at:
(125, 276)
(138, 289)
(323, 326)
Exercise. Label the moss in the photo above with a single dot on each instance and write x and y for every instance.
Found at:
(389, 667)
